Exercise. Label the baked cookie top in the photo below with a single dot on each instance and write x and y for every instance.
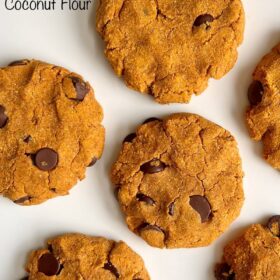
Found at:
(77, 256)
(254, 255)
(168, 48)
(263, 114)
(50, 131)
(179, 181)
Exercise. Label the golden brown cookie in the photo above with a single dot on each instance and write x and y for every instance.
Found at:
(254, 255)
(50, 131)
(179, 181)
(168, 48)
(263, 114)
(81, 257)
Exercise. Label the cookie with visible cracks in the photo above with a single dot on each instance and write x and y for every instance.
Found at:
(77, 256)
(50, 131)
(179, 181)
(263, 113)
(254, 255)
(169, 49)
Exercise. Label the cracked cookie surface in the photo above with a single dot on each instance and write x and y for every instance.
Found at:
(254, 255)
(263, 114)
(179, 181)
(50, 131)
(81, 257)
(168, 48)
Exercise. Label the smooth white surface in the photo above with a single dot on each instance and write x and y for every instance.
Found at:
(69, 39)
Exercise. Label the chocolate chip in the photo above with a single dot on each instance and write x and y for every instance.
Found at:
(147, 226)
(81, 88)
(48, 264)
(19, 62)
(203, 19)
(3, 117)
(273, 225)
(93, 162)
(224, 272)
(27, 139)
(25, 278)
(255, 93)
(145, 198)
(129, 138)
(153, 166)
(151, 120)
(109, 266)
(46, 159)
(171, 208)
(201, 205)
(22, 199)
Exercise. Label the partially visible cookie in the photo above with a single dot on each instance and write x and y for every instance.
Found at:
(254, 255)
(81, 257)
(179, 181)
(263, 114)
(50, 131)
(169, 49)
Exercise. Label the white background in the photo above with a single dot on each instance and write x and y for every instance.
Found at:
(69, 39)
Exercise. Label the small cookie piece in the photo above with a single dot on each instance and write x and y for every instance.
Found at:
(254, 255)
(50, 131)
(77, 256)
(263, 114)
(179, 181)
(169, 49)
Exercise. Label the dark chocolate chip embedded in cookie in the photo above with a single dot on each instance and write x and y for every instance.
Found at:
(263, 113)
(254, 255)
(48, 265)
(177, 178)
(203, 19)
(170, 49)
(50, 131)
(82, 89)
(273, 225)
(3, 117)
(69, 256)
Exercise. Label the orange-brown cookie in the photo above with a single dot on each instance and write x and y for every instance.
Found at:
(77, 256)
(254, 255)
(263, 114)
(179, 181)
(169, 48)
(50, 131)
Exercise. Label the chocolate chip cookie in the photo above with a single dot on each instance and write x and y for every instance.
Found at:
(77, 256)
(169, 49)
(263, 114)
(179, 181)
(50, 131)
(254, 255)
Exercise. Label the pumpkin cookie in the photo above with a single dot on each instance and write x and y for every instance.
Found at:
(50, 131)
(179, 181)
(77, 256)
(169, 49)
(263, 114)
(254, 255)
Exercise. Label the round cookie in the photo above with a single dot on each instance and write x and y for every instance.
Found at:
(263, 114)
(254, 255)
(77, 256)
(169, 49)
(50, 131)
(179, 181)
